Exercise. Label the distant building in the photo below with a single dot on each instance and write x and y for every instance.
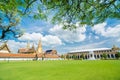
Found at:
(31, 50)
(39, 48)
(27, 50)
(97, 53)
(4, 48)
(51, 55)
(28, 53)
(11, 56)
(53, 52)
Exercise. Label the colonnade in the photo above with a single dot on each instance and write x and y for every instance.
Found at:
(96, 56)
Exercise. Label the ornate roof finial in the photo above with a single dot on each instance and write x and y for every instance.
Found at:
(33, 46)
(114, 46)
(28, 45)
(39, 49)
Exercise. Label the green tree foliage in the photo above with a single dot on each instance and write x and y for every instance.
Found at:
(66, 12)
(117, 55)
(67, 57)
(74, 57)
(90, 12)
(104, 56)
(82, 56)
(10, 13)
(62, 56)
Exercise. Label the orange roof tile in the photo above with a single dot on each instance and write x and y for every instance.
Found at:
(10, 55)
(39, 55)
(24, 50)
(51, 56)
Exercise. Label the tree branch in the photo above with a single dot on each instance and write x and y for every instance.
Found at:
(28, 6)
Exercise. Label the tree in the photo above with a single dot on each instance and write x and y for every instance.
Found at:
(10, 13)
(62, 56)
(82, 56)
(104, 56)
(74, 57)
(67, 57)
(90, 12)
(117, 55)
(66, 12)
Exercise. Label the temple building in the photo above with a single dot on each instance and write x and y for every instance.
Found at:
(4, 48)
(96, 53)
(39, 48)
(27, 50)
(51, 55)
(28, 53)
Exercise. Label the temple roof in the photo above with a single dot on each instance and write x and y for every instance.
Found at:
(51, 56)
(50, 52)
(4, 47)
(25, 50)
(10, 55)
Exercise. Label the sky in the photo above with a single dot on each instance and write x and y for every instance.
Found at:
(103, 35)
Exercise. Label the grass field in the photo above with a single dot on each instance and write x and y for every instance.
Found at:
(60, 70)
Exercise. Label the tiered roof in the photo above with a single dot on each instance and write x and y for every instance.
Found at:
(27, 49)
(25, 52)
(51, 56)
(4, 48)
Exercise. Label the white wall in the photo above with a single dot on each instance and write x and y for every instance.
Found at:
(52, 59)
(4, 51)
(25, 59)
(3, 59)
(39, 58)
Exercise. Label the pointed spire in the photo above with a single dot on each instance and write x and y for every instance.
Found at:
(33, 46)
(28, 45)
(39, 49)
(114, 46)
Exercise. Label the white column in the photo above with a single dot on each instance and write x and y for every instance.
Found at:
(70, 56)
(87, 56)
(95, 56)
(110, 55)
(84, 57)
(79, 56)
(99, 56)
(113, 55)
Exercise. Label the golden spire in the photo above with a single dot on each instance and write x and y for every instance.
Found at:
(114, 46)
(33, 46)
(28, 45)
(39, 49)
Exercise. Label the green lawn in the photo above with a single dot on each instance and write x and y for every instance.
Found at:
(60, 70)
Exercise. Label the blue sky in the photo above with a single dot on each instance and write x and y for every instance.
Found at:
(103, 35)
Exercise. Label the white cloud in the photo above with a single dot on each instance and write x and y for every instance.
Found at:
(47, 40)
(31, 37)
(35, 29)
(69, 36)
(86, 46)
(14, 46)
(118, 40)
(99, 28)
(51, 40)
(107, 31)
(96, 37)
